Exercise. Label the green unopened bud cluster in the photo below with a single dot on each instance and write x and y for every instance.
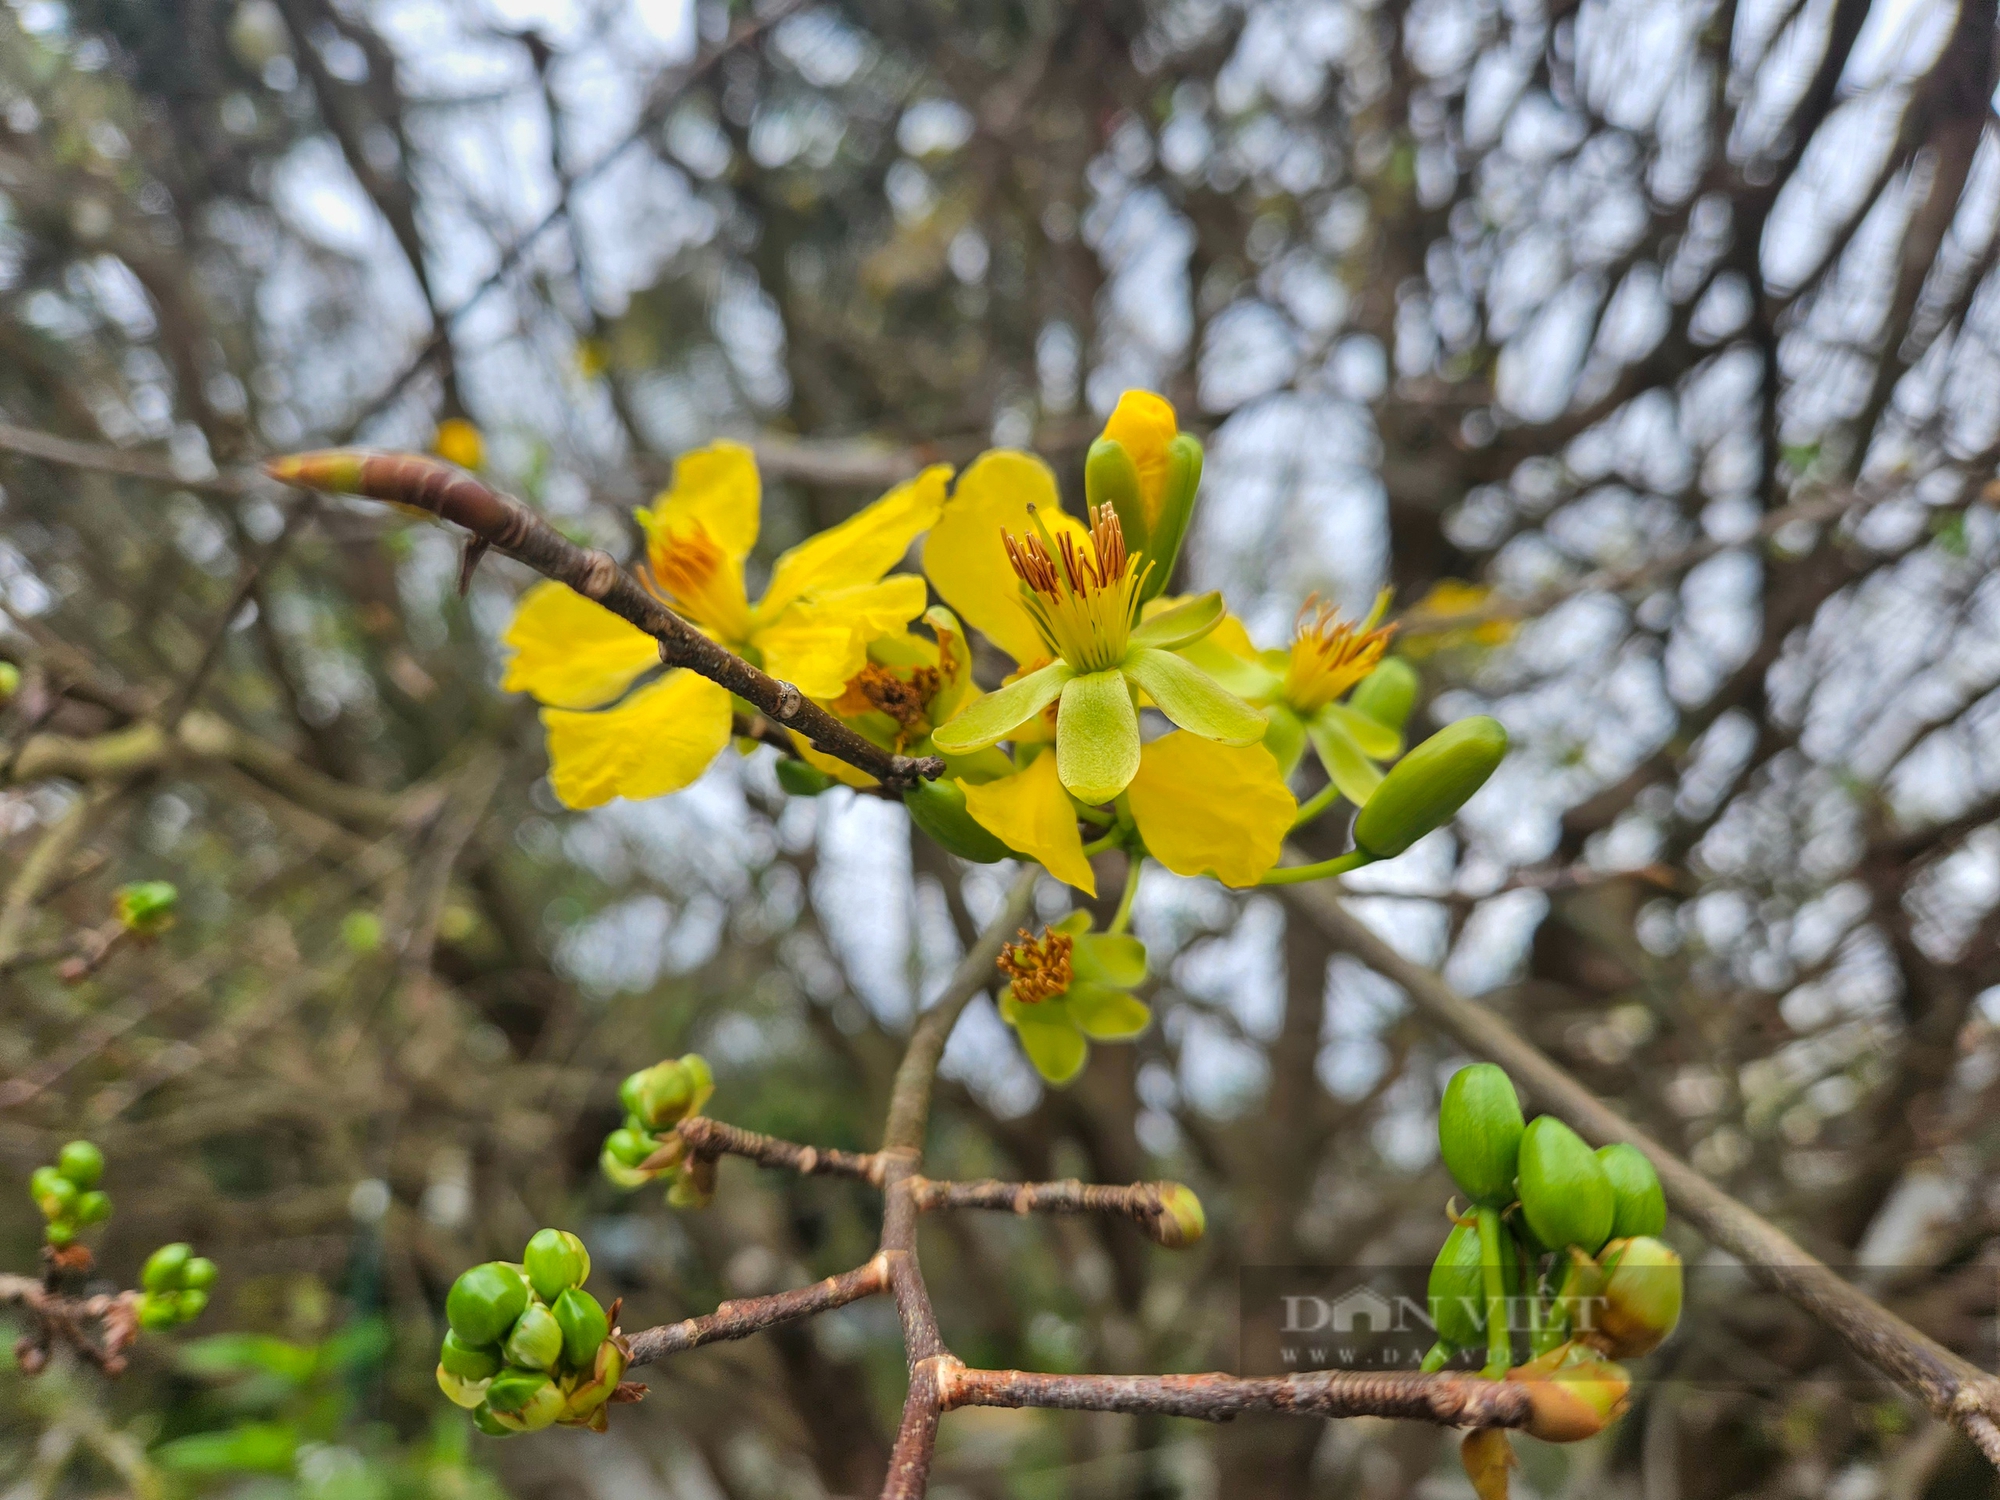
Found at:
(146, 908)
(68, 1195)
(646, 1146)
(175, 1284)
(1571, 1229)
(528, 1346)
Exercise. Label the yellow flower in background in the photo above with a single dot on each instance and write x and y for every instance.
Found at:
(1446, 619)
(459, 442)
(827, 601)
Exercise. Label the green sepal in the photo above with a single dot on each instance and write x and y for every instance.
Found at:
(584, 1326)
(465, 1362)
(1192, 699)
(1113, 958)
(1373, 738)
(1640, 1203)
(1565, 1192)
(460, 1390)
(1180, 627)
(997, 715)
(1177, 498)
(1110, 477)
(800, 778)
(1097, 735)
(537, 1341)
(1356, 776)
(1053, 1043)
(484, 1302)
(1104, 1013)
(1388, 693)
(1285, 738)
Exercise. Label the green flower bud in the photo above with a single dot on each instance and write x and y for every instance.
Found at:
(1182, 1220)
(163, 1268)
(486, 1422)
(10, 680)
(1564, 1192)
(190, 1304)
(1574, 1393)
(513, 1389)
(584, 1326)
(628, 1147)
(1163, 548)
(484, 1302)
(1426, 787)
(146, 907)
(1641, 1205)
(620, 1175)
(802, 778)
(554, 1261)
(536, 1342)
(59, 1233)
(658, 1096)
(1479, 1132)
(588, 1397)
(1388, 693)
(1110, 477)
(82, 1163)
(157, 1313)
(938, 808)
(93, 1207)
(1642, 1297)
(54, 1194)
(701, 1076)
(467, 1362)
(199, 1274)
(460, 1391)
(1457, 1290)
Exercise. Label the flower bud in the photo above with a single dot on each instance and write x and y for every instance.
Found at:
(536, 1342)
(1182, 1220)
(1640, 1204)
(584, 1326)
(588, 1396)
(802, 778)
(163, 1268)
(484, 1302)
(629, 1147)
(1574, 1393)
(466, 1362)
(555, 1260)
(1426, 787)
(460, 1391)
(1388, 693)
(1457, 1290)
(484, 1419)
(199, 1273)
(938, 808)
(146, 907)
(10, 680)
(513, 1392)
(1641, 1298)
(54, 1194)
(157, 1313)
(190, 1304)
(82, 1163)
(660, 1095)
(60, 1232)
(93, 1207)
(702, 1077)
(618, 1173)
(1564, 1191)
(1479, 1132)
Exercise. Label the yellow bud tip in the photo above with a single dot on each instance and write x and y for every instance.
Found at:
(335, 469)
(1181, 1220)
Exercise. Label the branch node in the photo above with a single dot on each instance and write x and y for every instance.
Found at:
(790, 700)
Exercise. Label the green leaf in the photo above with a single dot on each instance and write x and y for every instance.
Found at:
(1183, 625)
(226, 1354)
(1346, 767)
(1371, 736)
(252, 1448)
(1052, 1042)
(1105, 1014)
(1111, 957)
(1097, 737)
(1194, 700)
(998, 714)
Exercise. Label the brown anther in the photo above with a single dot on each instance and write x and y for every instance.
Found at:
(1038, 968)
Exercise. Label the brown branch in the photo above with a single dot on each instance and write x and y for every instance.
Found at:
(1951, 1387)
(99, 1329)
(98, 458)
(1147, 1204)
(740, 1319)
(713, 1138)
(502, 522)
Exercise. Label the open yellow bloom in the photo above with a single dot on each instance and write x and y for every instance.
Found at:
(827, 602)
(1199, 806)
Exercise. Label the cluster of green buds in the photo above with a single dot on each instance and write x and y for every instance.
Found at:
(175, 1284)
(146, 908)
(528, 1347)
(647, 1146)
(1570, 1232)
(68, 1195)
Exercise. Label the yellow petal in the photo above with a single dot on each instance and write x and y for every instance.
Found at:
(1205, 808)
(839, 770)
(967, 561)
(863, 547)
(820, 642)
(716, 486)
(570, 652)
(1031, 812)
(1145, 424)
(658, 741)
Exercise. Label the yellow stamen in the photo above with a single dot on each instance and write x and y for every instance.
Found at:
(697, 579)
(1330, 655)
(1039, 968)
(1084, 604)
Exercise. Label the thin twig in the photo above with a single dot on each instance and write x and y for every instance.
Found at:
(1147, 1204)
(740, 1319)
(1449, 1400)
(712, 1138)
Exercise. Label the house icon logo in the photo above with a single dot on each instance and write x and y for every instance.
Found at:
(1363, 1310)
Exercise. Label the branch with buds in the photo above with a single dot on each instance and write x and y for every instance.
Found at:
(99, 1328)
(499, 522)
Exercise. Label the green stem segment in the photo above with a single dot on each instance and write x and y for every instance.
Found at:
(1110, 840)
(1122, 918)
(1316, 804)
(1354, 859)
(1499, 1347)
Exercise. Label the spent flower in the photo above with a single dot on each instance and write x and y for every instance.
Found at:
(1069, 987)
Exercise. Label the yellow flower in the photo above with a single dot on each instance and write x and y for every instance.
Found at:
(1446, 619)
(1197, 805)
(459, 442)
(827, 602)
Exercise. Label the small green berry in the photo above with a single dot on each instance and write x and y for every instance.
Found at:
(164, 1266)
(82, 1163)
